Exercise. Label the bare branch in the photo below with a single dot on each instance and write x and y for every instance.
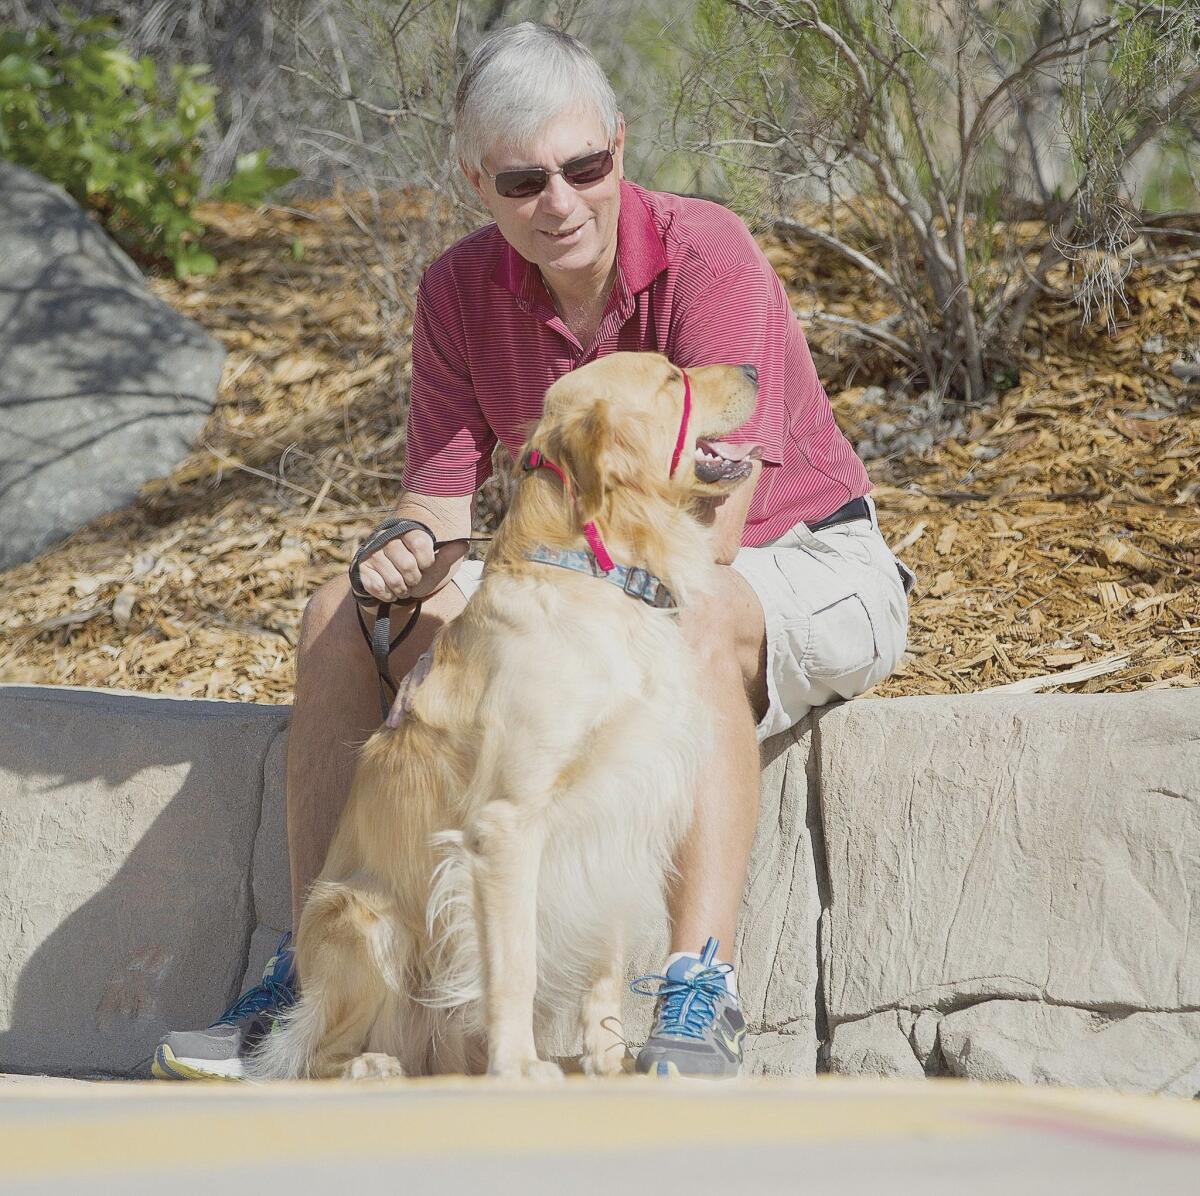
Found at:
(871, 332)
(391, 114)
(847, 251)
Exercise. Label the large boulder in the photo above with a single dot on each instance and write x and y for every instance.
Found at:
(1011, 886)
(103, 385)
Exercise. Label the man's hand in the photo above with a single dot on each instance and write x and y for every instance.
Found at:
(408, 566)
(398, 568)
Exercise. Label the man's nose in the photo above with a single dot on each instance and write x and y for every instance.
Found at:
(558, 197)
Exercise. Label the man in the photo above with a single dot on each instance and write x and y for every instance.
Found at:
(807, 604)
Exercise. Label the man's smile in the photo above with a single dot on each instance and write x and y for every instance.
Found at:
(565, 235)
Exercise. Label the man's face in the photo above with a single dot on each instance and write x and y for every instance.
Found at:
(562, 229)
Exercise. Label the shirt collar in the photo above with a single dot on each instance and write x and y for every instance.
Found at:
(641, 257)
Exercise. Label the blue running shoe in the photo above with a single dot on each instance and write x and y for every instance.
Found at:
(698, 1028)
(218, 1052)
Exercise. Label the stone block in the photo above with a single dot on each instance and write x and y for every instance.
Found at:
(270, 871)
(1031, 1043)
(126, 830)
(272, 878)
(924, 1034)
(1045, 848)
(875, 1045)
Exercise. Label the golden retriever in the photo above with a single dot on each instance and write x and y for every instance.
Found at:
(505, 844)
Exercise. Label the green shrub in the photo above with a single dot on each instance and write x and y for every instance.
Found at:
(79, 110)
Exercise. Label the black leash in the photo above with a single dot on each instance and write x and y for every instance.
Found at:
(379, 639)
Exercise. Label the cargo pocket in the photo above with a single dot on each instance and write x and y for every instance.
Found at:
(832, 633)
(843, 638)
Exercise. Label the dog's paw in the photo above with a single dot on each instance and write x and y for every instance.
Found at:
(604, 1063)
(540, 1071)
(373, 1066)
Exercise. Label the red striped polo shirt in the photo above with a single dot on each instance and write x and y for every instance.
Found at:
(691, 283)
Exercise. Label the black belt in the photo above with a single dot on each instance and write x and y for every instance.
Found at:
(856, 508)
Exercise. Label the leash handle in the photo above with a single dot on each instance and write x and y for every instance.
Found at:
(389, 530)
(379, 638)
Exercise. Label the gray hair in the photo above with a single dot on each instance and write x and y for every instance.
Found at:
(518, 81)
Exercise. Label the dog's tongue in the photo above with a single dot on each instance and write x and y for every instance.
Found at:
(731, 452)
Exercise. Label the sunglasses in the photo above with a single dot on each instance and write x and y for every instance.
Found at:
(532, 180)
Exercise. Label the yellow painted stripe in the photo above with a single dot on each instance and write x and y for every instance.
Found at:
(226, 1127)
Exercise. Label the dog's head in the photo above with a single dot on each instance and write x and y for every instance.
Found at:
(612, 426)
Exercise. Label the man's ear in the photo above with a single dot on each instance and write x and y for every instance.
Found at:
(619, 145)
(474, 176)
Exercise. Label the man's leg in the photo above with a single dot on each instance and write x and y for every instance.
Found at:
(336, 710)
(728, 634)
(698, 1027)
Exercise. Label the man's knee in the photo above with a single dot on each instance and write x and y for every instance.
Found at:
(328, 615)
(330, 629)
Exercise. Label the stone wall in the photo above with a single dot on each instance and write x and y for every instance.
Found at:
(997, 887)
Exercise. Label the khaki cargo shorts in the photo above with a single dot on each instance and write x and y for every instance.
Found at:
(835, 604)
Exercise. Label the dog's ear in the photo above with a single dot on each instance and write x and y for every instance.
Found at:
(595, 454)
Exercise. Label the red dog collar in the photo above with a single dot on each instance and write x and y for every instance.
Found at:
(537, 460)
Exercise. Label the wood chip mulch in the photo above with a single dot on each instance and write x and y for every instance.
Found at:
(1057, 535)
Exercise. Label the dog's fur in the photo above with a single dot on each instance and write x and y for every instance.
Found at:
(503, 845)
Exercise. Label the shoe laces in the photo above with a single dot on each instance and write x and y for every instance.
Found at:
(273, 991)
(688, 1006)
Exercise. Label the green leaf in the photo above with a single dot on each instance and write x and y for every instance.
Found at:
(253, 179)
(16, 71)
(190, 259)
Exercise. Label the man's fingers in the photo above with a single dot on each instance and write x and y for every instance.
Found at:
(381, 579)
(408, 686)
(397, 556)
(421, 547)
(399, 567)
(373, 583)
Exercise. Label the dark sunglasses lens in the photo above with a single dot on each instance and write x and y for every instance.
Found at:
(590, 169)
(517, 184)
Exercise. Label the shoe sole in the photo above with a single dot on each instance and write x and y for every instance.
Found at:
(665, 1069)
(168, 1066)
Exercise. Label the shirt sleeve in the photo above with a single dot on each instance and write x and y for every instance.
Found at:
(449, 443)
(742, 317)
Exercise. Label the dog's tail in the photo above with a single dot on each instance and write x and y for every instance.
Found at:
(290, 1050)
(356, 962)
(455, 970)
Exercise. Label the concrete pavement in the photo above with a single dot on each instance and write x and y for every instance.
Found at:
(850, 1137)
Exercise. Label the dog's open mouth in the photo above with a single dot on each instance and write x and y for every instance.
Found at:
(717, 461)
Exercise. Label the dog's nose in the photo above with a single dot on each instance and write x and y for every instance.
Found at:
(750, 372)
